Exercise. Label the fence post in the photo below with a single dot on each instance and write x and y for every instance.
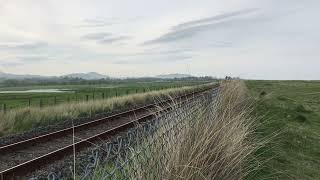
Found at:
(136, 91)
(4, 107)
(29, 102)
(144, 90)
(103, 95)
(116, 93)
(87, 97)
(127, 91)
(55, 100)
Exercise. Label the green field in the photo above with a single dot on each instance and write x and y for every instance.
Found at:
(290, 123)
(79, 93)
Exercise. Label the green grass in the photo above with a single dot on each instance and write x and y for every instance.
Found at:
(22, 119)
(290, 120)
(78, 93)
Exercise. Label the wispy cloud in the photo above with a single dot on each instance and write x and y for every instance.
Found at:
(156, 52)
(22, 45)
(105, 38)
(97, 22)
(97, 36)
(189, 29)
(155, 58)
(11, 64)
(213, 19)
(114, 39)
(35, 58)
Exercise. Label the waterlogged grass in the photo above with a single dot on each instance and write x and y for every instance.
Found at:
(77, 93)
(20, 120)
(290, 113)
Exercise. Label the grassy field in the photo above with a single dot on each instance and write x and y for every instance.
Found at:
(76, 93)
(22, 119)
(290, 123)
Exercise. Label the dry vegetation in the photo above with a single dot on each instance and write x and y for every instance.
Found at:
(217, 145)
(214, 143)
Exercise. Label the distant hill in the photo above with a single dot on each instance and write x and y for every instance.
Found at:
(20, 76)
(84, 76)
(173, 76)
(87, 76)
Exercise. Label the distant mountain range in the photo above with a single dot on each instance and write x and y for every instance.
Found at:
(20, 76)
(86, 76)
(173, 76)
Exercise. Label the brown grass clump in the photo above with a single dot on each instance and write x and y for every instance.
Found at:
(217, 144)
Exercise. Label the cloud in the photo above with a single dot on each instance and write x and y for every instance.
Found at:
(155, 59)
(11, 64)
(97, 36)
(25, 58)
(105, 38)
(152, 52)
(22, 45)
(113, 39)
(35, 58)
(189, 29)
(212, 19)
(97, 22)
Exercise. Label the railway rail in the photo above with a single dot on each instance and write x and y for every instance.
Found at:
(18, 159)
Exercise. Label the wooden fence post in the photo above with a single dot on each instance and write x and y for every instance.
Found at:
(87, 97)
(40, 103)
(4, 107)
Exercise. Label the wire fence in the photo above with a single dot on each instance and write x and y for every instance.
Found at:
(12, 101)
(142, 152)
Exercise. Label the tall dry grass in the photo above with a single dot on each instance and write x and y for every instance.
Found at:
(19, 120)
(217, 145)
(212, 140)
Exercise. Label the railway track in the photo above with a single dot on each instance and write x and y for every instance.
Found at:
(18, 159)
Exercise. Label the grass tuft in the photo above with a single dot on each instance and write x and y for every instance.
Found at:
(300, 108)
(218, 145)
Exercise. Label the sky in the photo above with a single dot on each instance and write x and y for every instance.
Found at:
(251, 39)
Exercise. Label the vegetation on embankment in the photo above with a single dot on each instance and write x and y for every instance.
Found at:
(20, 120)
(290, 112)
(219, 144)
(214, 142)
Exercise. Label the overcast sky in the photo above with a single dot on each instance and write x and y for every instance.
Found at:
(257, 39)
